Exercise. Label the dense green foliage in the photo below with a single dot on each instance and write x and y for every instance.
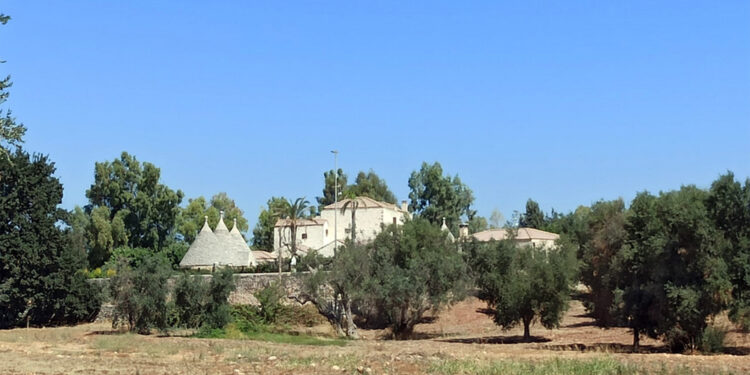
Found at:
(523, 284)
(478, 224)
(533, 217)
(217, 312)
(600, 256)
(269, 299)
(414, 269)
(190, 219)
(676, 276)
(406, 271)
(139, 295)
(330, 180)
(263, 231)
(728, 205)
(41, 279)
(435, 196)
(668, 263)
(365, 185)
(371, 185)
(189, 300)
(129, 206)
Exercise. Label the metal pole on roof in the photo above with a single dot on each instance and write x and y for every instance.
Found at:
(335, 198)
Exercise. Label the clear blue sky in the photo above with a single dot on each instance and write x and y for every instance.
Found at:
(566, 102)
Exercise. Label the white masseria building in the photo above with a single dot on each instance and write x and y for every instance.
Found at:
(318, 233)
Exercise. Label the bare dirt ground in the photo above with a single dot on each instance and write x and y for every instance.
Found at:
(459, 333)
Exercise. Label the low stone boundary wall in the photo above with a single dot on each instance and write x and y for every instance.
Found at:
(247, 284)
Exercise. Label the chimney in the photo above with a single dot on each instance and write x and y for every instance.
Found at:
(404, 206)
(463, 230)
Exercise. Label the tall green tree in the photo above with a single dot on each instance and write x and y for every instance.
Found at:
(477, 224)
(330, 180)
(263, 231)
(191, 218)
(413, 269)
(371, 185)
(728, 205)
(365, 185)
(600, 260)
(533, 217)
(105, 234)
(78, 222)
(41, 281)
(435, 196)
(524, 284)
(132, 191)
(677, 277)
(11, 132)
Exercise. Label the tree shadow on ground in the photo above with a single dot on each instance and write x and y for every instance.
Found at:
(118, 332)
(498, 340)
(581, 324)
(605, 347)
(111, 332)
(736, 350)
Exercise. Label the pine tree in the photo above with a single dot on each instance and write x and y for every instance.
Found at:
(11, 132)
(40, 271)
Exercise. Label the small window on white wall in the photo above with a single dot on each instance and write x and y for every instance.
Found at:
(304, 236)
(394, 220)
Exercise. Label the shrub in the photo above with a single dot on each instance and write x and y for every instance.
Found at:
(189, 301)
(306, 315)
(740, 315)
(139, 295)
(217, 311)
(270, 302)
(174, 253)
(313, 260)
(712, 339)
(134, 256)
(247, 318)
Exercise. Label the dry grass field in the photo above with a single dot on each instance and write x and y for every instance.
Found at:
(460, 340)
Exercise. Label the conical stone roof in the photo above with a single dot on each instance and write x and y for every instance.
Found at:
(244, 255)
(204, 250)
(218, 248)
(227, 254)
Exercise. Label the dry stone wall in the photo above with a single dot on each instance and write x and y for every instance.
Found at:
(247, 284)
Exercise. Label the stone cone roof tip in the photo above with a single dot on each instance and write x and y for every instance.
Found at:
(221, 227)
